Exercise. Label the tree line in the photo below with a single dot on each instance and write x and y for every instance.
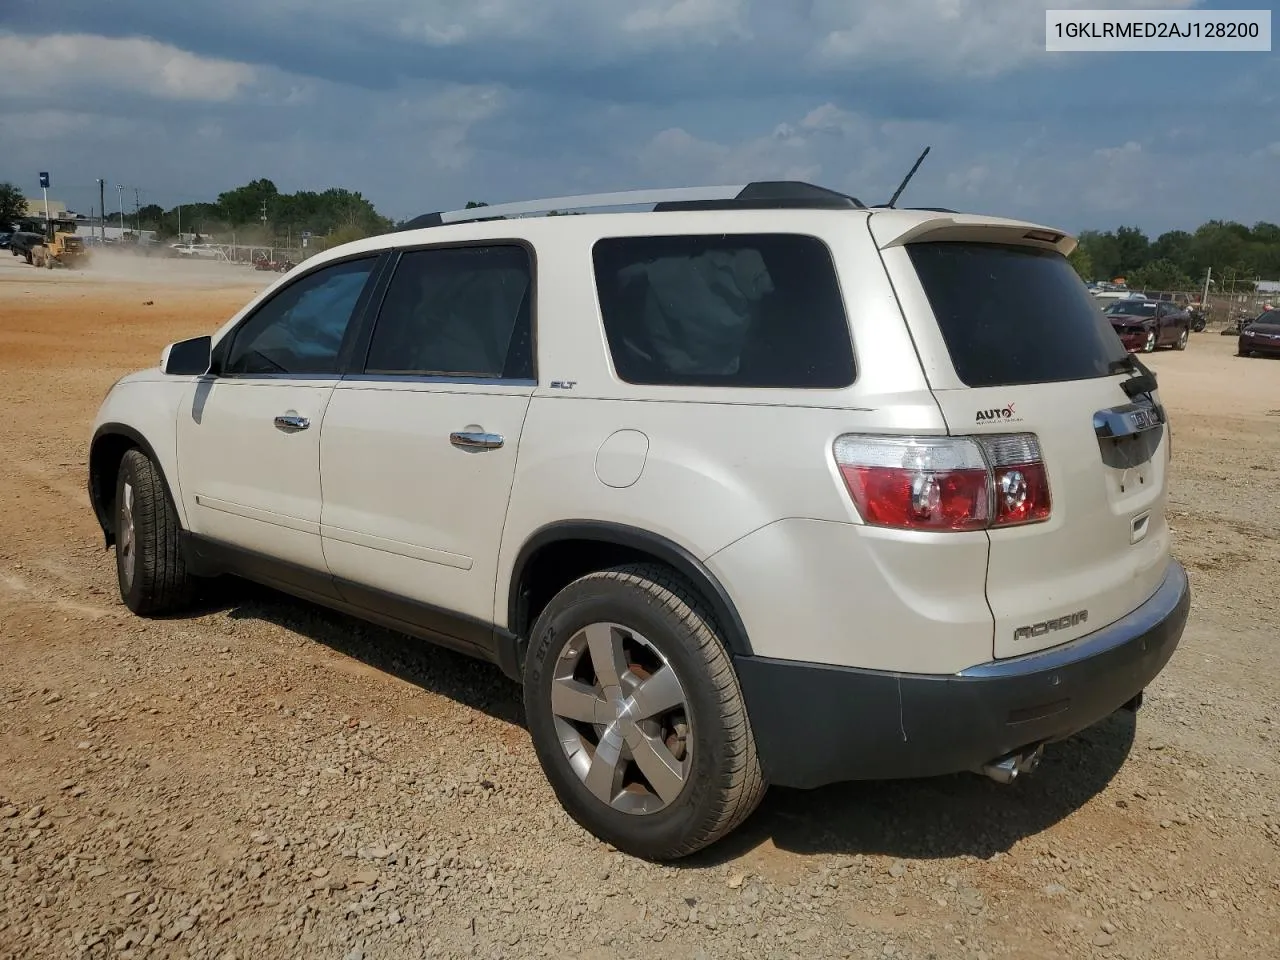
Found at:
(257, 212)
(1177, 260)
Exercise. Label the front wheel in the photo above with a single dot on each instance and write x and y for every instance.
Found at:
(1150, 345)
(636, 714)
(150, 569)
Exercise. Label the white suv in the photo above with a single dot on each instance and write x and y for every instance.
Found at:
(759, 485)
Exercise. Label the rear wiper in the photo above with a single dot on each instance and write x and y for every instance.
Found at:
(1143, 381)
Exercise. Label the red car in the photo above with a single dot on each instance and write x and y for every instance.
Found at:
(1143, 325)
(1261, 337)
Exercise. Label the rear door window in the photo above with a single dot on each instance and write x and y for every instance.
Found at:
(1014, 315)
(747, 310)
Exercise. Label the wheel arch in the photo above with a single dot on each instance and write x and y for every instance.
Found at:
(555, 555)
(111, 441)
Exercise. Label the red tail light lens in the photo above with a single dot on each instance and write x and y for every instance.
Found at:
(915, 483)
(1020, 482)
(945, 483)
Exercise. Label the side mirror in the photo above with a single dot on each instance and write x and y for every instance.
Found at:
(187, 358)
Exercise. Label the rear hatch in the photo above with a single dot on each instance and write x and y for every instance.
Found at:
(1013, 344)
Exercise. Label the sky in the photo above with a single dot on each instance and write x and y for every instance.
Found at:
(423, 105)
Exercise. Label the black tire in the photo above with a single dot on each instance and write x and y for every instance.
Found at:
(1152, 342)
(1183, 337)
(724, 783)
(159, 582)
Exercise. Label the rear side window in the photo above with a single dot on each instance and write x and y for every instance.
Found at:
(724, 311)
(1014, 315)
(457, 312)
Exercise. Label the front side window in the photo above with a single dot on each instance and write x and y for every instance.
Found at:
(755, 310)
(457, 312)
(300, 330)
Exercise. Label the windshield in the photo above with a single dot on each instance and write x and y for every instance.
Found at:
(1013, 314)
(1137, 309)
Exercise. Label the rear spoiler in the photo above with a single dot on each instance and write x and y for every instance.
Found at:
(894, 228)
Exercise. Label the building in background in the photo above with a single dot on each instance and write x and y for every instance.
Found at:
(57, 209)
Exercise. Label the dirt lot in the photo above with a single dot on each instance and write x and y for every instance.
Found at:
(264, 779)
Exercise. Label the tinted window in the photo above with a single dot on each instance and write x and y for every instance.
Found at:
(1138, 310)
(727, 311)
(300, 330)
(1013, 315)
(457, 312)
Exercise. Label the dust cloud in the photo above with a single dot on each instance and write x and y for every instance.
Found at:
(115, 265)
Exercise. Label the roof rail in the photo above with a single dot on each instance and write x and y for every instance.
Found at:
(885, 206)
(761, 195)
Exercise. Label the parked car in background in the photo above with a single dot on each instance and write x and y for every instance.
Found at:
(1143, 325)
(1261, 337)
(4, 240)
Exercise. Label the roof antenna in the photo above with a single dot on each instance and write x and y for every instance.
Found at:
(907, 179)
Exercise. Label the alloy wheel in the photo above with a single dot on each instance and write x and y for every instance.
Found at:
(127, 536)
(622, 718)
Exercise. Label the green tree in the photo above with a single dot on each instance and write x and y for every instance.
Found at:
(1082, 262)
(1159, 275)
(244, 204)
(13, 205)
(346, 235)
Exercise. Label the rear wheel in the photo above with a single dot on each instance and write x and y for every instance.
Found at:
(150, 569)
(636, 714)
(1182, 339)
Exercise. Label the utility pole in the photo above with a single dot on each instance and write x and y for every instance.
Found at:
(102, 209)
(137, 212)
(1204, 300)
(179, 223)
(120, 200)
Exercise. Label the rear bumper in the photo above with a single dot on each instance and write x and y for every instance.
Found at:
(816, 724)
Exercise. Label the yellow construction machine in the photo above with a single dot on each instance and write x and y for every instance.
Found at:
(52, 245)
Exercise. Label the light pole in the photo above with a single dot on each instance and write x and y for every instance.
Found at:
(102, 209)
(120, 197)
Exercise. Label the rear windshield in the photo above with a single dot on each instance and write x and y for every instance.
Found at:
(1014, 315)
(754, 310)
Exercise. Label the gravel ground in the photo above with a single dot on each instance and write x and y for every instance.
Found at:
(264, 779)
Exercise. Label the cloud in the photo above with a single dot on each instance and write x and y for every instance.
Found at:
(423, 106)
(965, 38)
(638, 50)
(63, 63)
(676, 15)
(443, 120)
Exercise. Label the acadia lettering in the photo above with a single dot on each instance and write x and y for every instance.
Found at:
(1033, 630)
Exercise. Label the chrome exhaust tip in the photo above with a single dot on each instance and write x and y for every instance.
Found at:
(1007, 768)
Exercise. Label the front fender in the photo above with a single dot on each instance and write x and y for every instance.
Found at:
(137, 413)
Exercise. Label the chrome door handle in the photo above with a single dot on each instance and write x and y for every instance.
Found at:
(291, 421)
(476, 441)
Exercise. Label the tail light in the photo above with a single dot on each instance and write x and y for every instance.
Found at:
(945, 483)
